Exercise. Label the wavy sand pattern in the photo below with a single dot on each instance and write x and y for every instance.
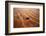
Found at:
(26, 17)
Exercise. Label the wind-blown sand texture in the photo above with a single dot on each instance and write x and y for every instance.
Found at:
(26, 17)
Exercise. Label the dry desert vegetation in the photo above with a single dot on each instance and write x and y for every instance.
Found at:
(26, 17)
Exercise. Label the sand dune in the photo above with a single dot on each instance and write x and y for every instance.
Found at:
(26, 17)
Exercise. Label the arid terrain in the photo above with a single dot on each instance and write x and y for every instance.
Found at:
(26, 17)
